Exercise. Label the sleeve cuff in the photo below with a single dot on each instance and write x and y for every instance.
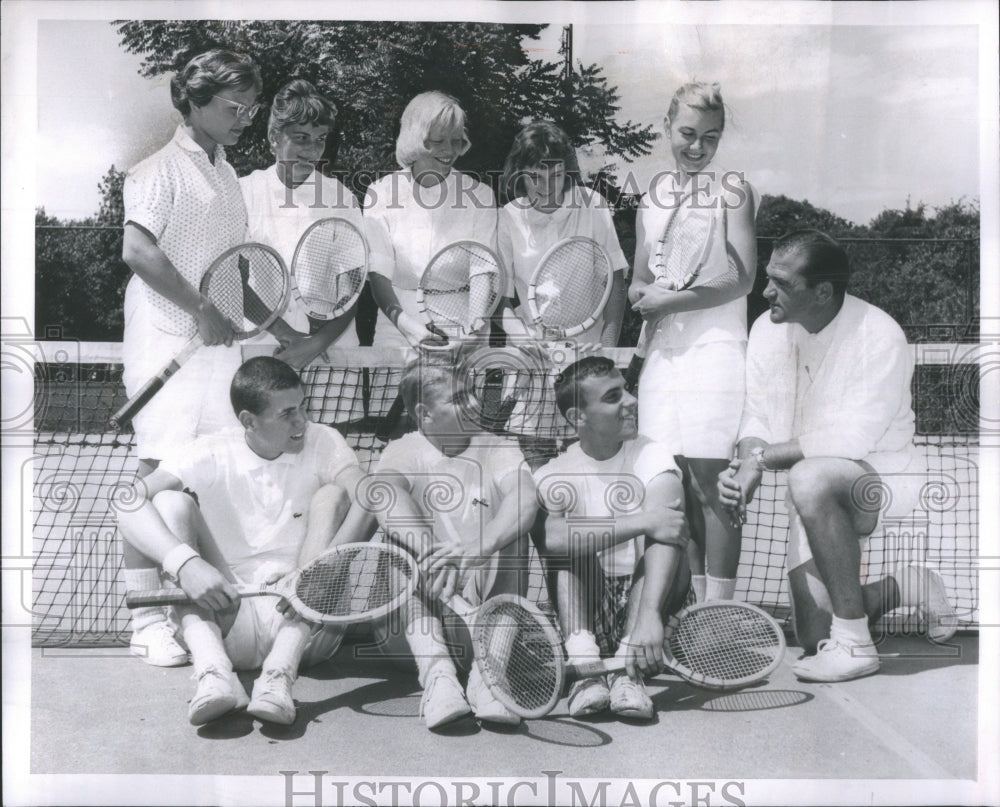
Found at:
(176, 558)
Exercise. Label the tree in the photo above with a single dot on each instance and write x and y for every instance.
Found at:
(372, 69)
(79, 274)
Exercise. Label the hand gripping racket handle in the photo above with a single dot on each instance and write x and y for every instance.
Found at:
(169, 596)
(135, 404)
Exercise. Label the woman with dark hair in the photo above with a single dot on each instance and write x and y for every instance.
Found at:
(546, 203)
(183, 208)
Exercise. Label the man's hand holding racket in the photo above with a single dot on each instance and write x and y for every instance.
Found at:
(206, 586)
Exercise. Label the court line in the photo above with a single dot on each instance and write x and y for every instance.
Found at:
(886, 734)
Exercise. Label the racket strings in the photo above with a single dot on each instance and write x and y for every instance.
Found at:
(248, 286)
(725, 643)
(330, 267)
(570, 286)
(461, 286)
(680, 248)
(353, 582)
(517, 656)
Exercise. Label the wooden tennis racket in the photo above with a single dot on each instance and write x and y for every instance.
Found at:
(680, 253)
(329, 269)
(249, 285)
(716, 645)
(353, 582)
(460, 289)
(569, 288)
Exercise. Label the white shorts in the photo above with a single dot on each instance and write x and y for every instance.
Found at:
(193, 402)
(692, 398)
(258, 620)
(900, 496)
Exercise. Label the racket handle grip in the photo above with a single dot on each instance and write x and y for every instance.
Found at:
(135, 404)
(592, 669)
(156, 596)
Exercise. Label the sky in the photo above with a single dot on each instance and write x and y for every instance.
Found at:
(853, 118)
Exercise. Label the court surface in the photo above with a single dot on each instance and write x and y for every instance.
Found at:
(103, 712)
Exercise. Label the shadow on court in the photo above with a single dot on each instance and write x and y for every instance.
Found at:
(359, 717)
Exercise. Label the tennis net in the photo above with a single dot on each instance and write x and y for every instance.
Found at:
(79, 464)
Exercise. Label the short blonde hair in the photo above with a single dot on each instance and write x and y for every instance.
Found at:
(423, 113)
(700, 95)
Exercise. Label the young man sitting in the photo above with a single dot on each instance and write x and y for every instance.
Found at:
(249, 505)
(616, 527)
(463, 503)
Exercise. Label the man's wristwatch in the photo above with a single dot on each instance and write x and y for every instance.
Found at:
(758, 455)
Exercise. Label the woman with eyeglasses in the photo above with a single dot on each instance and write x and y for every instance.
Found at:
(183, 208)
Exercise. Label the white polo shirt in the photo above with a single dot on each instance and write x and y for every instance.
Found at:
(257, 508)
(524, 235)
(575, 485)
(193, 208)
(465, 488)
(279, 215)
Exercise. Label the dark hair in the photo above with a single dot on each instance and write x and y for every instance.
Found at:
(299, 102)
(208, 74)
(567, 383)
(538, 143)
(422, 375)
(255, 378)
(825, 259)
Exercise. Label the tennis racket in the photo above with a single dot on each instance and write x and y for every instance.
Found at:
(353, 582)
(680, 253)
(248, 284)
(460, 289)
(329, 269)
(569, 288)
(715, 645)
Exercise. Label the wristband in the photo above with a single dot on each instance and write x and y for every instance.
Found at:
(758, 455)
(393, 313)
(176, 558)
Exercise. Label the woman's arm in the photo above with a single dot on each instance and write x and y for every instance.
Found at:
(153, 267)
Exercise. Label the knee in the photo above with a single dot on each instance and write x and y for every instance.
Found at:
(811, 487)
(177, 509)
(330, 502)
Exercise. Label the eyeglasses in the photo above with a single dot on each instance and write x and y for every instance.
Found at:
(241, 109)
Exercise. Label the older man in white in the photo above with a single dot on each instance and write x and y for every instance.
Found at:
(828, 400)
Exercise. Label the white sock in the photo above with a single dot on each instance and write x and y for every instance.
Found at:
(204, 640)
(144, 580)
(581, 647)
(698, 583)
(850, 631)
(719, 588)
(425, 637)
(289, 644)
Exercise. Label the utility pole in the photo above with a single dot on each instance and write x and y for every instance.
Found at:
(566, 47)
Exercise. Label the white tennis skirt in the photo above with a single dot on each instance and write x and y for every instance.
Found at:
(692, 398)
(193, 402)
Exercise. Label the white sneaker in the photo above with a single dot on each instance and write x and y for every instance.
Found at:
(588, 696)
(443, 700)
(214, 696)
(484, 704)
(272, 698)
(157, 644)
(629, 698)
(934, 609)
(836, 662)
